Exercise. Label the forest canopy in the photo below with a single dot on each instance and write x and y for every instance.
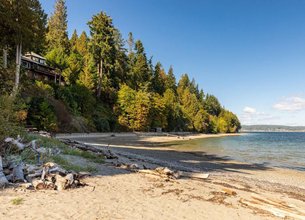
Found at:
(110, 83)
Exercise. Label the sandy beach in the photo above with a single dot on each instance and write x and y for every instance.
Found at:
(233, 190)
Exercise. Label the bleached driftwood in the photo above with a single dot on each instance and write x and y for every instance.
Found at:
(165, 172)
(3, 179)
(18, 175)
(277, 208)
(85, 147)
(19, 145)
(194, 175)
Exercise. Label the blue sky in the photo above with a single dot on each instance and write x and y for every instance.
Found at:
(250, 54)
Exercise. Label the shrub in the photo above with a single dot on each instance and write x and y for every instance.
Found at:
(41, 114)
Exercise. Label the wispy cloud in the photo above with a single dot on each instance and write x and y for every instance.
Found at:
(252, 116)
(249, 110)
(290, 104)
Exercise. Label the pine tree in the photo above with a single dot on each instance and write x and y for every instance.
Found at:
(23, 28)
(57, 36)
(170, 82)
(73, 41)
(130, 42)
(82, 44)
(140, 72)
(87, 74)
(121, 60)
(158, 79)
(102, 46)
(212, 105)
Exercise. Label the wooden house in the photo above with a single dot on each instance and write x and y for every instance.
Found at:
(37, 69)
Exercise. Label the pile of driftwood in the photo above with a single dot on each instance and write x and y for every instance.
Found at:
(47, 176)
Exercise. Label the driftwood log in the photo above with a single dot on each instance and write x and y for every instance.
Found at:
(166, 173)
(3, 179)
(18, 175)
(85, 147)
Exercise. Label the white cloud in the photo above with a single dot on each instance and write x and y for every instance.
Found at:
(249, 110)
(290, 104)
(252, 116)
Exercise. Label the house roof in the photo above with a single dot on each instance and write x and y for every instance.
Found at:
(34, 55)
(33, 61)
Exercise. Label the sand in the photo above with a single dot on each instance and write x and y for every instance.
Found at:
(233, 191)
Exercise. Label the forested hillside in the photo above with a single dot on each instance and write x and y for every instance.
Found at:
(111, 84)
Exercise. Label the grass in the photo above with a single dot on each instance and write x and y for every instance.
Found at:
(30, 156)
(96, 158)
(17, 201)
(70, 166)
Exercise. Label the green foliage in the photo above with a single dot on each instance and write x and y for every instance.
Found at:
(106, 88)
(78, 98)
(212, 105)
(57, 58)
(41, 114)
(9, 117)
(57, 35)
(170, 82)
(71, 166)
(228, 122)
(201, 121)
(158, 79)
(48, 89)
(96, 158)
(75, 64)
(22, 22)
(135, 108)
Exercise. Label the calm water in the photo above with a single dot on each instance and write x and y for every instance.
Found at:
(275, 149)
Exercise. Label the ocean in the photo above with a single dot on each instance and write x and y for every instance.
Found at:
(276, 149)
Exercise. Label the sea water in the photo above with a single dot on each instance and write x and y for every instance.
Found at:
(279, 149)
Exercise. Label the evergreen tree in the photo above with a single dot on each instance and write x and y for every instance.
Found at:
(130, 42)
(73, 41)
(57, 36)
(140, 72)
(81, 44)
(102, 46)
(121, 60)
(212, 105)
(86, 76)
(158, 79)
(170, 82)
(23, 27)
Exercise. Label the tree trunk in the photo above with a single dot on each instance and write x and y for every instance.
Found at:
(5, 58)
(100, 72)
(59, 78)
(18, 64)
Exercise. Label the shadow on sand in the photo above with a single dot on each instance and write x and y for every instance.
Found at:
(159, 154)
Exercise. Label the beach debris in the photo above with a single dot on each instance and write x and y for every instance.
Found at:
(229, 192)
(85, 147)
(18, 175)
(194, 175)
(167, 173)
(131, 167)
(14, 171)
(3, 179)
(276, 207)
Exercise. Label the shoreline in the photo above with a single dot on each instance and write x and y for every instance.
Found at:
(232, 191)
(156, 151)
